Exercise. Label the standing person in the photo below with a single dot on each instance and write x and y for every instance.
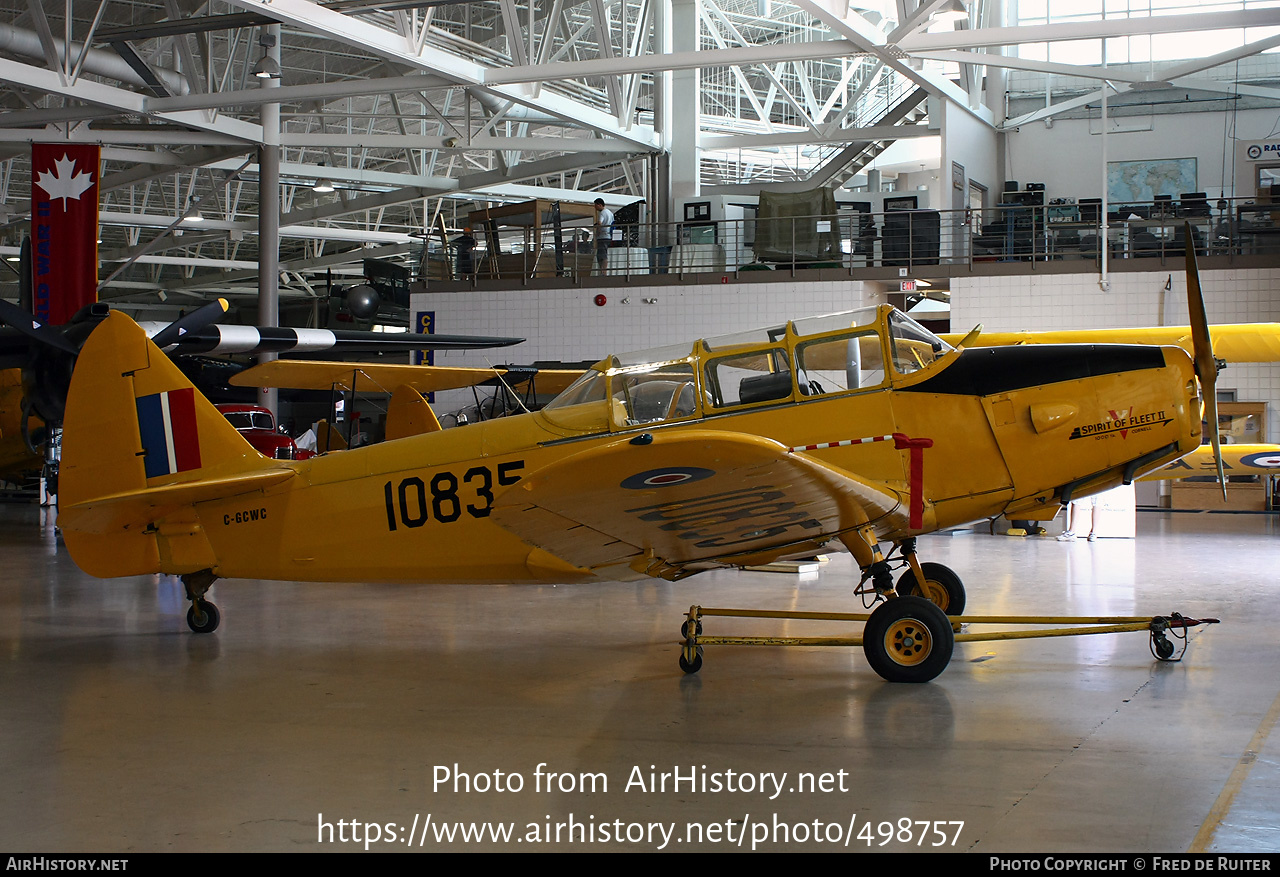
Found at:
(465, 245)
(604, 227)
(1073, 519)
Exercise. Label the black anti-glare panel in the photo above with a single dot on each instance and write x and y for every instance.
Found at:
(983, 371)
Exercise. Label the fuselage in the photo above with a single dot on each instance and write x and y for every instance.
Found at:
(1014, 430)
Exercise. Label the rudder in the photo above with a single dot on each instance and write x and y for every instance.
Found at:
(140, 444)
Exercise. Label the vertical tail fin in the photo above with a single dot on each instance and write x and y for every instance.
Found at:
(140, 445)
(409, 414)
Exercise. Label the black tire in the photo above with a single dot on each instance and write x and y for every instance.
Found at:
(908, 640)
(1163, 648)
(943, 587)
(208, 623)
(684, 629)
(691, 666)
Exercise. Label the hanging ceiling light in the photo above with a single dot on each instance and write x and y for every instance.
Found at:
(952, 10)
(324, 184)
(266, 68)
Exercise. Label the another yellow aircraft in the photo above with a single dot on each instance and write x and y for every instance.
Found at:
(1236, 460)
(1237, 342)
(860, 429)
(16, 458)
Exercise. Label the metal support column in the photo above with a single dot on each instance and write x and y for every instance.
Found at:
(269, 214)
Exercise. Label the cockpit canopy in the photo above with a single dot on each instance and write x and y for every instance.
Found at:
(816, 356)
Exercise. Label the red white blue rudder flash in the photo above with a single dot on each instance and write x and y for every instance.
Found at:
(170, 439)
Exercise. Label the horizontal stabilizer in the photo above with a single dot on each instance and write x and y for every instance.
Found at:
(106, 513)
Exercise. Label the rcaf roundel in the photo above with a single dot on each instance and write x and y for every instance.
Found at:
(668, 476)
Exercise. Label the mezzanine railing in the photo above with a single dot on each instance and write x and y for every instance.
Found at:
(855, 241)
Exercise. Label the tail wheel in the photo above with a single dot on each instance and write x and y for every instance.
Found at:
(908, 640)
(942, 587)
(206, 619)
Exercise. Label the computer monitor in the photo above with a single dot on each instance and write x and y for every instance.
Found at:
(1195, 204)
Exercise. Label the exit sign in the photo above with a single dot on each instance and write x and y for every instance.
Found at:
(907, 286)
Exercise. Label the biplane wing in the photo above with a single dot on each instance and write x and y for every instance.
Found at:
(672, 504)
(1237, 342)
(299, 374)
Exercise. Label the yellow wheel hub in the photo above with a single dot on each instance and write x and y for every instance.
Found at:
(907, 642)
(936, 594)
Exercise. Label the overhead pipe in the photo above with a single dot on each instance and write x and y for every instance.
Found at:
(98, 61)
(518, 112)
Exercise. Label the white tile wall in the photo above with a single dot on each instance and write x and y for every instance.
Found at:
(565, 324)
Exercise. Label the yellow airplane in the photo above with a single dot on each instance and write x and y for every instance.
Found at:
(1251, 459)
(16, 458)
(408, 413)
(860, 430)
(1239, 342)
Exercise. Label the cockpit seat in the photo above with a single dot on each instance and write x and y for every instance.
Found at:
(764, 388)
(652, 400)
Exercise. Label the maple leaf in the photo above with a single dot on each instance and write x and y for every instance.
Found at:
(64, 182)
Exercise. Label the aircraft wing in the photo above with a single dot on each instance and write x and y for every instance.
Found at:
(298, 374)
(1236, 460)
(1235, 342)
(669, 504)
(216, 339)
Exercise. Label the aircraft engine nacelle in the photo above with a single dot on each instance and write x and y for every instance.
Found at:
(1114, 413)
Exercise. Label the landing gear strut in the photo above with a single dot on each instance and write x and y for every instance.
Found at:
(203, 616)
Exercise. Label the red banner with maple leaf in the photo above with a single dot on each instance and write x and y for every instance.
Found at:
(64, 229)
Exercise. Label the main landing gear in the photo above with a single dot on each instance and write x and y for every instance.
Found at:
(910, 635)
(203, 616)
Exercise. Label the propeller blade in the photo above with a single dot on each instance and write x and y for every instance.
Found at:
(192, 322)
(1206, 365)
(971, 337)
(28, 325)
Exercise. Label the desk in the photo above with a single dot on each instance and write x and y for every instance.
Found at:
(1079, 240)
(1257, 238)
(1163, 237)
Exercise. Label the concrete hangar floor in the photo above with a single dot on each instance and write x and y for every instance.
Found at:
(334, 716)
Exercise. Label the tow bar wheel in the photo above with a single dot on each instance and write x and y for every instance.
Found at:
(908, 639)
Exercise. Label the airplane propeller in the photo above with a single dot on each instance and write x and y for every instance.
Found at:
(971, 337)
(46, 374)
(189, 323)
(42, 333)
(47, 354)
(1206, 364)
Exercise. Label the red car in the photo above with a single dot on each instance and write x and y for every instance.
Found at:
(258, 427)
